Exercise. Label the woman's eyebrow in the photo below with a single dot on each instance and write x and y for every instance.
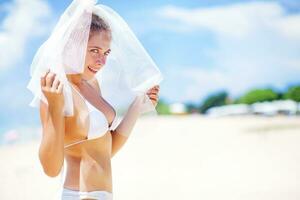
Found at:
(99, 48)
(95, 47)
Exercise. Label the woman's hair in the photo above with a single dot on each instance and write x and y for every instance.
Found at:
(98, 25)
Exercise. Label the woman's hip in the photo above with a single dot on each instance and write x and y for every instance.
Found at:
(68, 194)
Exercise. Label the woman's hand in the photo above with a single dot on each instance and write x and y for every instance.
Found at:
(52, 89)
(153, 94)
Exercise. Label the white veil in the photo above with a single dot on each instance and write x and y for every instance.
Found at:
(129, 70)
(64, 52)
(128, 73)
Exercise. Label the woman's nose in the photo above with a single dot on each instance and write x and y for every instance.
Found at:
(101, 60)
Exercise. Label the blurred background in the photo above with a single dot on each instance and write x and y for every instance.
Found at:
(230, 98)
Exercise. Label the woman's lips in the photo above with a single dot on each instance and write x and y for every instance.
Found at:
(93, 69)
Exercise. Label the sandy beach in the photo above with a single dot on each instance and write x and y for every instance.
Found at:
(181, 158)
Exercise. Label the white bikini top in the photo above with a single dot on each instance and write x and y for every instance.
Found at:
(98, 122)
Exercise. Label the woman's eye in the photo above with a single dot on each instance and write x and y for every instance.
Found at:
(95, 50)
(106, 53)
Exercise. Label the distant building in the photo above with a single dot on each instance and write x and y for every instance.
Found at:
(287, 107)
(264, 108)
(178, 108)
(234, 109)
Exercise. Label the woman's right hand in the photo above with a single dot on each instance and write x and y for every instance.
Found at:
(52, 89)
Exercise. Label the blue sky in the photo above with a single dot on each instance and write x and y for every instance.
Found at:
(200, 46)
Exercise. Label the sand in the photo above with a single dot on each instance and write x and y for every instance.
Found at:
(180, 158)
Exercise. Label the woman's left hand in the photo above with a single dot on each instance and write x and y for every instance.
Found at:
(153, 94)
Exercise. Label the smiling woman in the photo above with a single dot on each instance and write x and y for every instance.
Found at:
(98, 47)
(91, 59)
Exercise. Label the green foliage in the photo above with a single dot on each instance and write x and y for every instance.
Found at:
(217, 99)
(221, 98)
(258, 95)
(293, 93)
(192, 108)
(162, 108)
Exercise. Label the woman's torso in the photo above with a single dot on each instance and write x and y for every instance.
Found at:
(88, 162)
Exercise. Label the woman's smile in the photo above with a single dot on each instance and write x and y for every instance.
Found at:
(94, 70)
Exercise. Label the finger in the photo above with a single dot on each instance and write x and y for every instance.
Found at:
(153, 88)
(154, 101)
(153, 91)
(43, 78)
(154, 98)
(47, 72)
(49, 79)
(55, 83)
(156, 89)
(60, 87)
(43, 81)
(153, 95)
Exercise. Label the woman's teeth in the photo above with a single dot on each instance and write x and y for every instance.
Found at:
(93, 69)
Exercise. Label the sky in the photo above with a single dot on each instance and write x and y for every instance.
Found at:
(201, 47)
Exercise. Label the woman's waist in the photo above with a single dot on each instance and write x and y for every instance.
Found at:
(88, 170)
(95, 183)
(94, 162)
(89, 178)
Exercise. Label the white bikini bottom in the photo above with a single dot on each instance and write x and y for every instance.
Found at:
(68, 194)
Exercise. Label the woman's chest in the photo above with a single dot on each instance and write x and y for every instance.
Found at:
(90, 119)
(77, 126)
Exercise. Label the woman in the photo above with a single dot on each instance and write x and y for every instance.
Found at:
(89, 138)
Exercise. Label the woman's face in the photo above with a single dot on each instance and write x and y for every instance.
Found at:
(98, 49)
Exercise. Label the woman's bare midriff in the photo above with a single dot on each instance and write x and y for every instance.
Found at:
(89, 165)
(88, 162)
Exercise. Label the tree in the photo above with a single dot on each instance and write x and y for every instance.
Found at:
(293, 93)
(258, 95)
(217, 99)
(192, 108)
(162, 108)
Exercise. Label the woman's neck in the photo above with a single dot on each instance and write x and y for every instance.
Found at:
(76, 79)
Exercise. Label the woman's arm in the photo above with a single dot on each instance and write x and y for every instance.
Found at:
(121, 134)
(123, 130)
(51, 150)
